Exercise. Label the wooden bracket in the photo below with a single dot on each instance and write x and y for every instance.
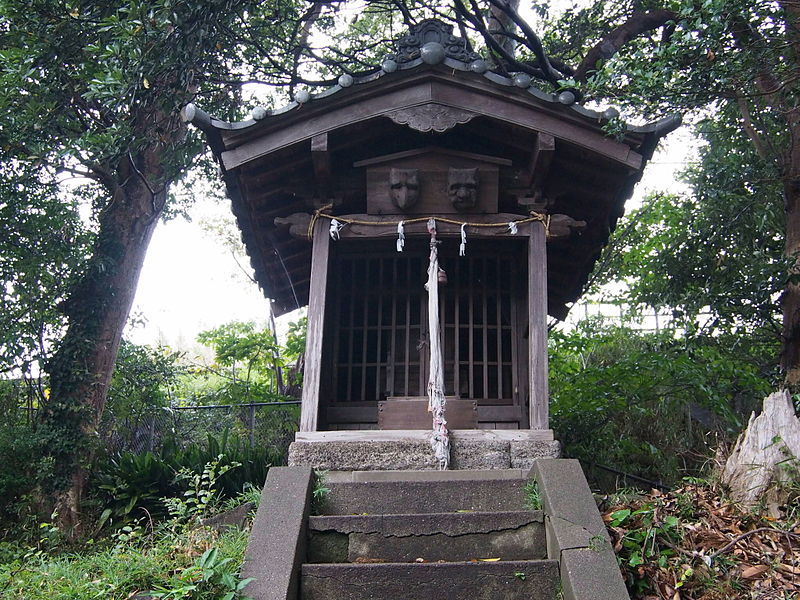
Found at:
(563, 226)
(323, 172)
(297, 222)
(532, 178)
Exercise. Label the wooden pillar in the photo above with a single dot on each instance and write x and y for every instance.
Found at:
(316, 323)
(539, 395)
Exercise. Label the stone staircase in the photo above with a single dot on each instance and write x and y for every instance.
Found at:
(431, 535)
(426, 535)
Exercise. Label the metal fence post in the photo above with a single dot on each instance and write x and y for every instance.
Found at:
(252, 425)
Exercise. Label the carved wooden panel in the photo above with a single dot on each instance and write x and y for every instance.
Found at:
(437, 175)
(431, 117)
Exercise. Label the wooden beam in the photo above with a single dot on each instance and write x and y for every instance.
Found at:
(322, 163)
(539, 395)
(386, 226)
(541, 158)
(477, 435)
(316, 321)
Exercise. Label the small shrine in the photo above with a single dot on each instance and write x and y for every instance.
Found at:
(431, 215)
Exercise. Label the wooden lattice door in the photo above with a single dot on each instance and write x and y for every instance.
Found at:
(379, 333)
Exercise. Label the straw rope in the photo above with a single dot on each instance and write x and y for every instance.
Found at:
(320, 214)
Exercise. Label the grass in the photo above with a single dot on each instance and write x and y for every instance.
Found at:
(173, 558)
(533, 498)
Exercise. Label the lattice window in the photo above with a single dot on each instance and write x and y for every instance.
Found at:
(380, 323)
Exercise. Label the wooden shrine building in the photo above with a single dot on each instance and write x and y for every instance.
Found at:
(524, 188)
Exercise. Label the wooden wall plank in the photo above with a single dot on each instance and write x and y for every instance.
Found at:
(537, 323)
(316, 321)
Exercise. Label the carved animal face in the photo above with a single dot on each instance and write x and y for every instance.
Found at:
(404, 187)
(462, 188)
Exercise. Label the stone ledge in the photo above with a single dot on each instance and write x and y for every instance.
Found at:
(576, 534)
(414, 453)
(277, 545)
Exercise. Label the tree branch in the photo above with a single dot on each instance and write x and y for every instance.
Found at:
(639, 23)
(749, 128)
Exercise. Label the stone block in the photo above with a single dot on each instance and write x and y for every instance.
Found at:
(416, 497)
(364, 455)
(515, 535)
(588, 574)
(576, 534)
(566, 494)
(532, 580)
(478, 454)
(523, 453)
(277, 545)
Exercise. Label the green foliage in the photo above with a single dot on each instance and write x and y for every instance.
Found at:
(132, 485)
(646, 404)
(209, 575)
(248, 361)
(22, 468)
(319, 494)
(533, 497)
(202, 494)
(141, 387)
(715, 257)
(168, 559)
(42, 244)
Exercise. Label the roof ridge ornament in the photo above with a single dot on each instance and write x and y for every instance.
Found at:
(431, 40)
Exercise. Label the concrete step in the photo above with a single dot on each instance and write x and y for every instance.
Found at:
(510, 535)
(507, 580)
(420, 492)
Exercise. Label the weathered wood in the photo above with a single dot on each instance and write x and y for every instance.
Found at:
(316, 321)
(755, 471)
(321, 159)
(433, 168)
(539, 396)
(298, 224)
(541, 157)
(544, 435)
(563, 226)
(461, 94)
(412, 413)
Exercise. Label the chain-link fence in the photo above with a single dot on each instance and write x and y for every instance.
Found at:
(270, 424)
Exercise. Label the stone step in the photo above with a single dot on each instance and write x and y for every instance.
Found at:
(507, 580)
(510, 535)
(419, 492)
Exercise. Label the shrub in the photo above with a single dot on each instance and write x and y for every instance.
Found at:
(651, 405)
(129, 484)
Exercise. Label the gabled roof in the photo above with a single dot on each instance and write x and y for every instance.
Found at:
(431, 92)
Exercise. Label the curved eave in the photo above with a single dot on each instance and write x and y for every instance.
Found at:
(563, 102)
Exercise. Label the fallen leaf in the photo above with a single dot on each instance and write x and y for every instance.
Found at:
(488, 559)
(754, 571)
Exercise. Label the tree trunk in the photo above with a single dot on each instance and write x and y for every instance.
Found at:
(97, 310)
(790, 301)
(500, 23)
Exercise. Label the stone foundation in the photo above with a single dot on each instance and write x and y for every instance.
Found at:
(411, 450)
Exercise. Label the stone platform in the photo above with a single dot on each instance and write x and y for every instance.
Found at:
(411, 449)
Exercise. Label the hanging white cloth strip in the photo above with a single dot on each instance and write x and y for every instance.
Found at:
(401, 237)
(512, 227)
(440, 438)
(462, 248)
(336, 227)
